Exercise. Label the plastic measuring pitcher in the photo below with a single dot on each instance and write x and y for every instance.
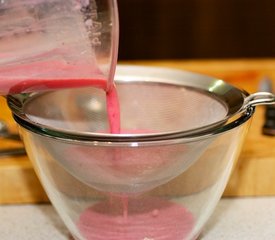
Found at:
(52, 44)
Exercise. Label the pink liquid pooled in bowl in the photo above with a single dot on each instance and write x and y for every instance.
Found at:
(148, 219)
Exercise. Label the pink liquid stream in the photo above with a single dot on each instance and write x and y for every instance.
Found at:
(95, 223)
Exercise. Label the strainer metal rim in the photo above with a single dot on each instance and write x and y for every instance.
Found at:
(233, 97)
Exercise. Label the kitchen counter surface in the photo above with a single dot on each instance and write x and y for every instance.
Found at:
(234, 218)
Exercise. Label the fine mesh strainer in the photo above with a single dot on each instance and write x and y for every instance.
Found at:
(168, 119)
(153, 101)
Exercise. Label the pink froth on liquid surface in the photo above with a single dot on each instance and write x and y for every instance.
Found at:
(51, 75)
(147, 218)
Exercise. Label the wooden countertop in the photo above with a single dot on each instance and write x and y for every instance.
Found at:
(254, 174)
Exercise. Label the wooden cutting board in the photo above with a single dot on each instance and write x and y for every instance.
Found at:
(254, 174)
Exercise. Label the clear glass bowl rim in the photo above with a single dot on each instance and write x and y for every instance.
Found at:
(234, 119)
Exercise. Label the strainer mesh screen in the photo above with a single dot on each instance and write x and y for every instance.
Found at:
(165, 108)
(145, 107)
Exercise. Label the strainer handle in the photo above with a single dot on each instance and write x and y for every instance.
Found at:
(259, 98)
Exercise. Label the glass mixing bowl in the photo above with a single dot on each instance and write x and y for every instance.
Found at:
(161, 177)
